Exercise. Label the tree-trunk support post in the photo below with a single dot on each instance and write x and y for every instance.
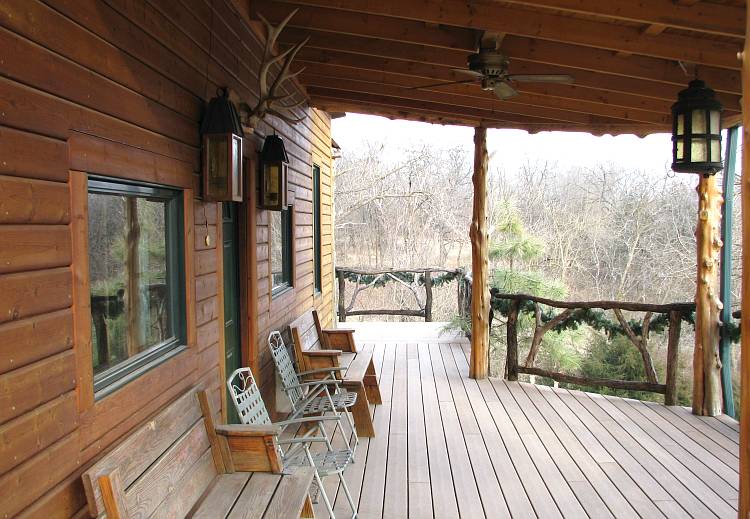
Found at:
(480, 308)
(706, 363)
(342, 290)
(428, 296)
(673, 356)
(511, 359)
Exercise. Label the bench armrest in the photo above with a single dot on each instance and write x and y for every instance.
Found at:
(250, 448)
(247, 430)
(339, 338)
(322, 353)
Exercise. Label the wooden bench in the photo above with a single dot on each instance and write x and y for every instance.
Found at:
(179, 464)
(316, 348)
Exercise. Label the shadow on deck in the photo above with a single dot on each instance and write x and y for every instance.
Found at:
(448, 446)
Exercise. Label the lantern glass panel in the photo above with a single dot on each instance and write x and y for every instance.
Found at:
(681, 124)
(272, 183)
(698, 151)
(236, 166)
(715, 150)
(217, 150)
(699, 122)
(680, 149)
(715, 125)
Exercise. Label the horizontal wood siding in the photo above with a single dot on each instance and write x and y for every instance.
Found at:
(117, 88)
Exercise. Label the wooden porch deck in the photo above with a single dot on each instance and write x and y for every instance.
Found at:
(448, 446)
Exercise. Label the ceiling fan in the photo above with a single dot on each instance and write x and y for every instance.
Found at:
(489, 66)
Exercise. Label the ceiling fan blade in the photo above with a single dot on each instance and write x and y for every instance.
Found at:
(468, 71)
(504, 90)
(444, 83)
(542, 78)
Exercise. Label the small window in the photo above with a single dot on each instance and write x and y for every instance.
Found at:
(317, 230)
(136, 271)
(280, 230)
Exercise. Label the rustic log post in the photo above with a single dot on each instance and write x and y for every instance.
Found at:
(480, 309)
(342, 289)
(706, 364)
(511, 360)
(428, 296)
(673, 357)
(744, 500)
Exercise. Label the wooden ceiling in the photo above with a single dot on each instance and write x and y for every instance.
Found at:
(629, 58)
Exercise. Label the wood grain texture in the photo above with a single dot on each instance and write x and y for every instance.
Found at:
(28, 340)
(31, 201)
(34, 247)
(26, 388)
(21, 293)
(480, 310)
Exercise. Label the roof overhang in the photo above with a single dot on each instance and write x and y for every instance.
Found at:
(629, 58)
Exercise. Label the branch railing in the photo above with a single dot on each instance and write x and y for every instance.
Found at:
(419, 281)
(656, 318)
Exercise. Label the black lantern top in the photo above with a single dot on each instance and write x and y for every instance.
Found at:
(696, 130)
(274, 150)
(221, 116)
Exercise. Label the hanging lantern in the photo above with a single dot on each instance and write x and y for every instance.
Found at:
(222, 135)
(273, 181)
(696, 130)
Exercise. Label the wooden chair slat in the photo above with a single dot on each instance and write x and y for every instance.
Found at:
(188, 490)
(163, 477)
(222, 496)
(290, 497)
(139, 450)
(255, 497)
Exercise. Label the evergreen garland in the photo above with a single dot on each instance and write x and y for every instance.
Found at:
(598, 319)
(380, 280)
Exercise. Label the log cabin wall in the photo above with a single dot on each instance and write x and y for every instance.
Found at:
(116, 88)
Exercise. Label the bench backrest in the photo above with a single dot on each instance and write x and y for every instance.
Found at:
(306, 335)
(163, 467)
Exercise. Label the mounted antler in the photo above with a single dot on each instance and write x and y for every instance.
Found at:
(269, 101)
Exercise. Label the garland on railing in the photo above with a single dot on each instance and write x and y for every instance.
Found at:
(598, 319)
(380, 280)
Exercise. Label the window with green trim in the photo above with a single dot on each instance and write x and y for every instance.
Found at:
(280, 237)
(317, 230)
(136, 277)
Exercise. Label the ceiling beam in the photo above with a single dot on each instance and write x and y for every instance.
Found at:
(472, 95)
(726, 20)
(445, 110)
(523, 49)
(347, 22)
(357, 16)
(575, 92)
(386, 109)
(488, 103)
(634, 88)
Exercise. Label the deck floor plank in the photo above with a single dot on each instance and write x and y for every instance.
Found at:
(447, 446)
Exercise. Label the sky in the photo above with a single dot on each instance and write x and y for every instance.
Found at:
(512, 148)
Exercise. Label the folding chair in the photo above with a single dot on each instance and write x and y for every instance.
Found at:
(301, 394)
(296, 451)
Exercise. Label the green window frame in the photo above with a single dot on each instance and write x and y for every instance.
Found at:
(317, 231)
(282, 279)
(174, 342)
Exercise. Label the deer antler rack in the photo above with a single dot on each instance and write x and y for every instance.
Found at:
(270, 101)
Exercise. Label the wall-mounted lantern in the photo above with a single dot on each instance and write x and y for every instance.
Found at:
(696, 130)
(222, 136)
(273, 174)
